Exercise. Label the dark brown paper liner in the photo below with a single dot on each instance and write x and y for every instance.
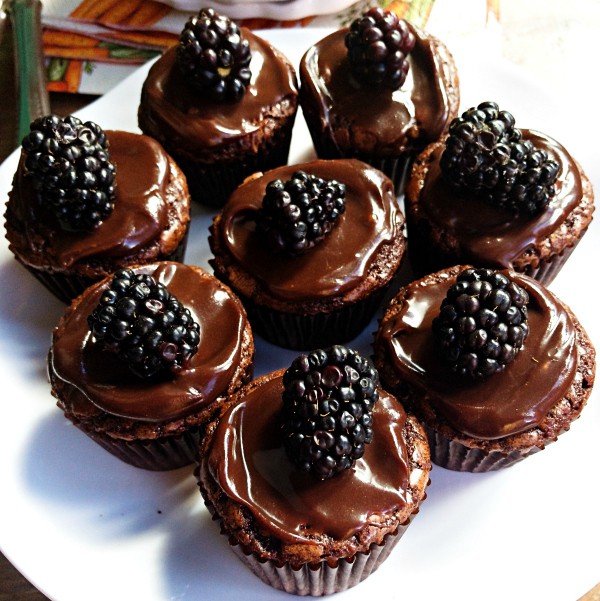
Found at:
(167, 452)
(453, 455)
(160, 454)
(314, 579)
(322, 578)
(67, 286)
(548, 269)
(305, 332)
(425, 258)
(396, 168)
(211, 184)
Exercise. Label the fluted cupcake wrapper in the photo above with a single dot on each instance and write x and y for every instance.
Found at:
(548, 269)
(426, 258)
(396, 168)
(162, 454)
(317, 579)
(305, 332)
(453, 455)
(322, 578)
(212, 184)
(67, 286)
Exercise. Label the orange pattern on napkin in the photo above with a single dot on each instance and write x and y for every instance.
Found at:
(131, 33)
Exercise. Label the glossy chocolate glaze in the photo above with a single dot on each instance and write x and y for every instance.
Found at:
(368, 119)
(491, 236)
(139, 217)
(336, 265)
(108, 384)
(193, 122)
(507, 403)
(248, 462)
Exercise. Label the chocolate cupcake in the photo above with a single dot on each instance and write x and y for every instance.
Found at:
(223, 103)
(379, 91)
(85, 203)
(492, 363)
(142, 361)
(310, 249)
(314, 505)
(496, 196)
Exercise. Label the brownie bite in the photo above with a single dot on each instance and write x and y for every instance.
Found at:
(223, 103)
(287, 488)
(495, 195)
(492, 363)
(142, 361)
(325, 283)
(379, 90)
(85, 203)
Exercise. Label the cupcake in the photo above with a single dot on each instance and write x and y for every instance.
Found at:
(223, 103)
(491, 362)
(379, 91)
(310, 249)
(86, 203)
(314, 505)
(496, 196)
(143, 360)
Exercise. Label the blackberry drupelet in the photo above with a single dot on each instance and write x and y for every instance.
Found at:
(214, 57)
(328, 403)
(378, 46)
(140, 320)
(68, 164)
(482, 323)
(486, 153)
(297, 214)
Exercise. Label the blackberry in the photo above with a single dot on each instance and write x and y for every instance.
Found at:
(378, 46)
(328, 402)
(486, 153)
(214, 57)
(69, 167)
(298, 213)
(144, 324)
(482, 323)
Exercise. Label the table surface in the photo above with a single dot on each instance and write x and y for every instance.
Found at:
(13, 586)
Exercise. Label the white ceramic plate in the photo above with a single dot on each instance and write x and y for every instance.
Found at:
(82, 526)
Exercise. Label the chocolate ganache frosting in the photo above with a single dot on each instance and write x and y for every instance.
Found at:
(196, 125)
(97, 377)
(341, 261)
(140, 215)
(247, 460)
(486, 234)
(506, 403)
(370, 120)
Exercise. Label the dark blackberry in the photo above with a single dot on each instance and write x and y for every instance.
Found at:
(144, 324)
(378, 46)
(297, 214)
(328, 403)
(482, 322)
(69, 167)
(214, 57)
(485, 153)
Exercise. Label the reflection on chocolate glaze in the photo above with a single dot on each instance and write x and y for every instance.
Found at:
(103, 380)
(248, 462)
(509, 402)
